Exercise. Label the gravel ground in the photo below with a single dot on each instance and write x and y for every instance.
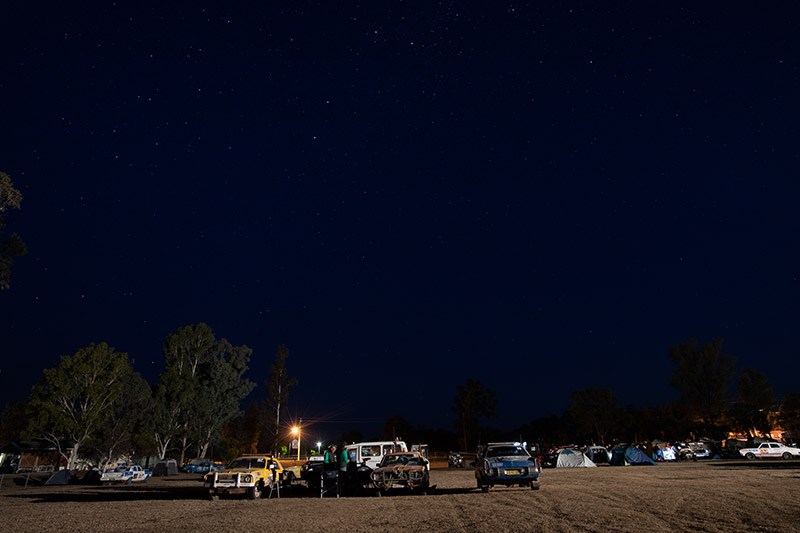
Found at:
(710, 496)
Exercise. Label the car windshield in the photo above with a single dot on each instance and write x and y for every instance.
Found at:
(403, 459)
(506, 451)
(248, 462)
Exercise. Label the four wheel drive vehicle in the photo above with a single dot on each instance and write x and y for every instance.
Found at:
(770, 449)
(248, 474)
(125, 474)
(371, 453)
(404, 469)
(506, 463)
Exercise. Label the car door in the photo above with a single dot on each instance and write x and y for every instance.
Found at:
(775, 450)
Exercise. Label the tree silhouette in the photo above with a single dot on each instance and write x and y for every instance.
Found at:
(596, 411)
(278, 387)
(472, 402)
(702, 375)
(12, 246)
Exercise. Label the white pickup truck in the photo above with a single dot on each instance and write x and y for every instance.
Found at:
(125, 474)
(770, 449)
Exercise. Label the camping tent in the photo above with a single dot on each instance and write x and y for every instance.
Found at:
(570, 458)
(60, 477)
(598, 454)
(635, 456)
(166, 467)
(623, 455)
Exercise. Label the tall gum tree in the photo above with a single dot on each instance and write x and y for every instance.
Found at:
(73, 399)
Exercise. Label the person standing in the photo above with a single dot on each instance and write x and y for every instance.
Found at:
(331, 458)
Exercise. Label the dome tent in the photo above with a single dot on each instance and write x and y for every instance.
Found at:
(572, 458)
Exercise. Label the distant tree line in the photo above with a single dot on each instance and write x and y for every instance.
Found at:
(94, 405)
(701, 373)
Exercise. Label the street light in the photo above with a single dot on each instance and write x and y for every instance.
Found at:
(296, 431)
(319, 447)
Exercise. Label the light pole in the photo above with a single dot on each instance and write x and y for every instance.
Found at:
(296, 431)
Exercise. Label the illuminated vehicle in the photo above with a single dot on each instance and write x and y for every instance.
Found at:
(249, 474)
(125, 474)
(506, 463)
(404, 469)
(770, 449)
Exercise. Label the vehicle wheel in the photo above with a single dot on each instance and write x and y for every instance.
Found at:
(254, 493)
(484, 488)
(787, 455)
(535, 485)
(750, 456)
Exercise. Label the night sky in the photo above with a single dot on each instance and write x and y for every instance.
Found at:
(407, 194)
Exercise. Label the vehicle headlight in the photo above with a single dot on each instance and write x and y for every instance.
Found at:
(248, 478)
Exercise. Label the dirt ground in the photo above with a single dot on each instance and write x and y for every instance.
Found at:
(703, 496)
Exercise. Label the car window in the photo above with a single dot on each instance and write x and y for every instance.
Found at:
(506, 451)
(403, 459)
(390, 448)
(370, 451)
(248, 462)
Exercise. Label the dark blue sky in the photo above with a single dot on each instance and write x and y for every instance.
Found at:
(544, 198)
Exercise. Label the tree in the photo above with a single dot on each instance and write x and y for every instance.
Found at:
(176, 394)
(12, 246)
(755, 389)
(278, 387)
(789, 416)
(702, 375)
(596, 411)
(123, 422)
(472, 402)
(397, 427)
(222, 388)
(199, 391)
(73, 399)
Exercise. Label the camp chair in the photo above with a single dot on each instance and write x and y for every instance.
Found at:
(329, 482)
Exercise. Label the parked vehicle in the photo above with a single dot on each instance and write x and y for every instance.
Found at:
(125, 474)
(371, 453)
(506, 463)
(248, 474)
(404, 469)
(201, 466)
(770, 449)
(455, 460)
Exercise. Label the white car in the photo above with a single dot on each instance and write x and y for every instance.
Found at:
(125, 474)
(770, 449)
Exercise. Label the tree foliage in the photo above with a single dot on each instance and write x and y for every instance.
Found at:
(11, 246)
(702, 374)
(76, 397)
(789, 416)
(126, 420)
(473, 401)
(278, 386)
(222, 387)
(200, 389)
(596, 411)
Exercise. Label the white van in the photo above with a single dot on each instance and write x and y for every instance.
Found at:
(371, 453)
